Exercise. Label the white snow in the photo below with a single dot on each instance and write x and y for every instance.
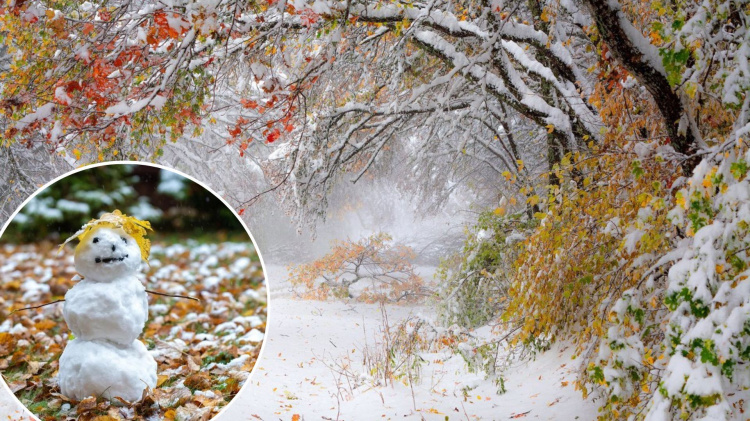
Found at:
(171, 183)
(62, 96)
(43, 207)
(116, 310)
(101, 368)
(305, 338)
(42, 113)
(73, 207)
(144, 210)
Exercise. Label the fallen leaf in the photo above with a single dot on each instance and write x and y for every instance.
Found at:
(86, 405)
(192, 365)
(7, 343)
(199, 381)
(161, 379)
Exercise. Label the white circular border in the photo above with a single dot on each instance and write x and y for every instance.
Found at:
(6, 388)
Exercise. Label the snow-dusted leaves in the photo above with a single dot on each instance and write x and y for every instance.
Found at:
(204, 350)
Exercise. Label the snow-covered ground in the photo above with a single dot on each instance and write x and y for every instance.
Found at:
(298, 372)
(308, 342)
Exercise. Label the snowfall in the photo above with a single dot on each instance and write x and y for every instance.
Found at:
(308, 342)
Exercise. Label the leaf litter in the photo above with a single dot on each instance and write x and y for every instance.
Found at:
(204, 349)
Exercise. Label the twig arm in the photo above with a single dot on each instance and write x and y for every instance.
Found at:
(39, 306)
(173, 295)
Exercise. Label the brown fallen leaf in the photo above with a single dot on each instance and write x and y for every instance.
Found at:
(200, 381)
(17, 385)
(86, 405)
(7, 343)
(192, 364)
(35, 366)
(172, 397)
(105, 418)
(521, 415)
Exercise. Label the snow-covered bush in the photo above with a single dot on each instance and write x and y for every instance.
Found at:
(71, 203)
(371, 269)
(474, 283)
(679, 344)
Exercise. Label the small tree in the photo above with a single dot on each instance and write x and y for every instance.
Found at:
(375, 259)
(474, 283)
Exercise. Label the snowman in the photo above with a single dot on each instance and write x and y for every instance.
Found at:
(106, 311)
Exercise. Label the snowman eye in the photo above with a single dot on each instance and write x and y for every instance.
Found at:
(96, 239)
(124, 240)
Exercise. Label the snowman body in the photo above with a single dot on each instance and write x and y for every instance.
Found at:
(106, 312)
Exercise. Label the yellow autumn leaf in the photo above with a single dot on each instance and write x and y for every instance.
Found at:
(680, 199)
(690, 89)
(161, 379)
(134, 227)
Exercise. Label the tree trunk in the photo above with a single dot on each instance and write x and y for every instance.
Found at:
(610, 23)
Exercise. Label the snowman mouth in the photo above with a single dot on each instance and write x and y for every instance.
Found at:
(110, 259)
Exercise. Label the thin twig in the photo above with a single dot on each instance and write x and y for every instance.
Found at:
(39, 306)
(173, 295)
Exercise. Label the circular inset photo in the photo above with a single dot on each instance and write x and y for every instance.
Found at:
(128, 291)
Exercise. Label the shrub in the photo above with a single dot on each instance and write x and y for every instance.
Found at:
(474, 283)
(383, 268)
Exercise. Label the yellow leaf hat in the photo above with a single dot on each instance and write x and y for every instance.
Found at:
(134, 227)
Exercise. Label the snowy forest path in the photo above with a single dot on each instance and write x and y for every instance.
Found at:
(308, 342)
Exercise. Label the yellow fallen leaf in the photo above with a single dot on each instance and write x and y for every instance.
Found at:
(161, 379)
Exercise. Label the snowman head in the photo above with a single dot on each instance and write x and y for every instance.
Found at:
(106, 254)
(111, 247)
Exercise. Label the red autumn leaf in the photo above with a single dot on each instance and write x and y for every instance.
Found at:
(73, 86)
(88, 28)
(241, 212)
(308, 17)
(273, 136)
(249, 103)
(235, 131)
